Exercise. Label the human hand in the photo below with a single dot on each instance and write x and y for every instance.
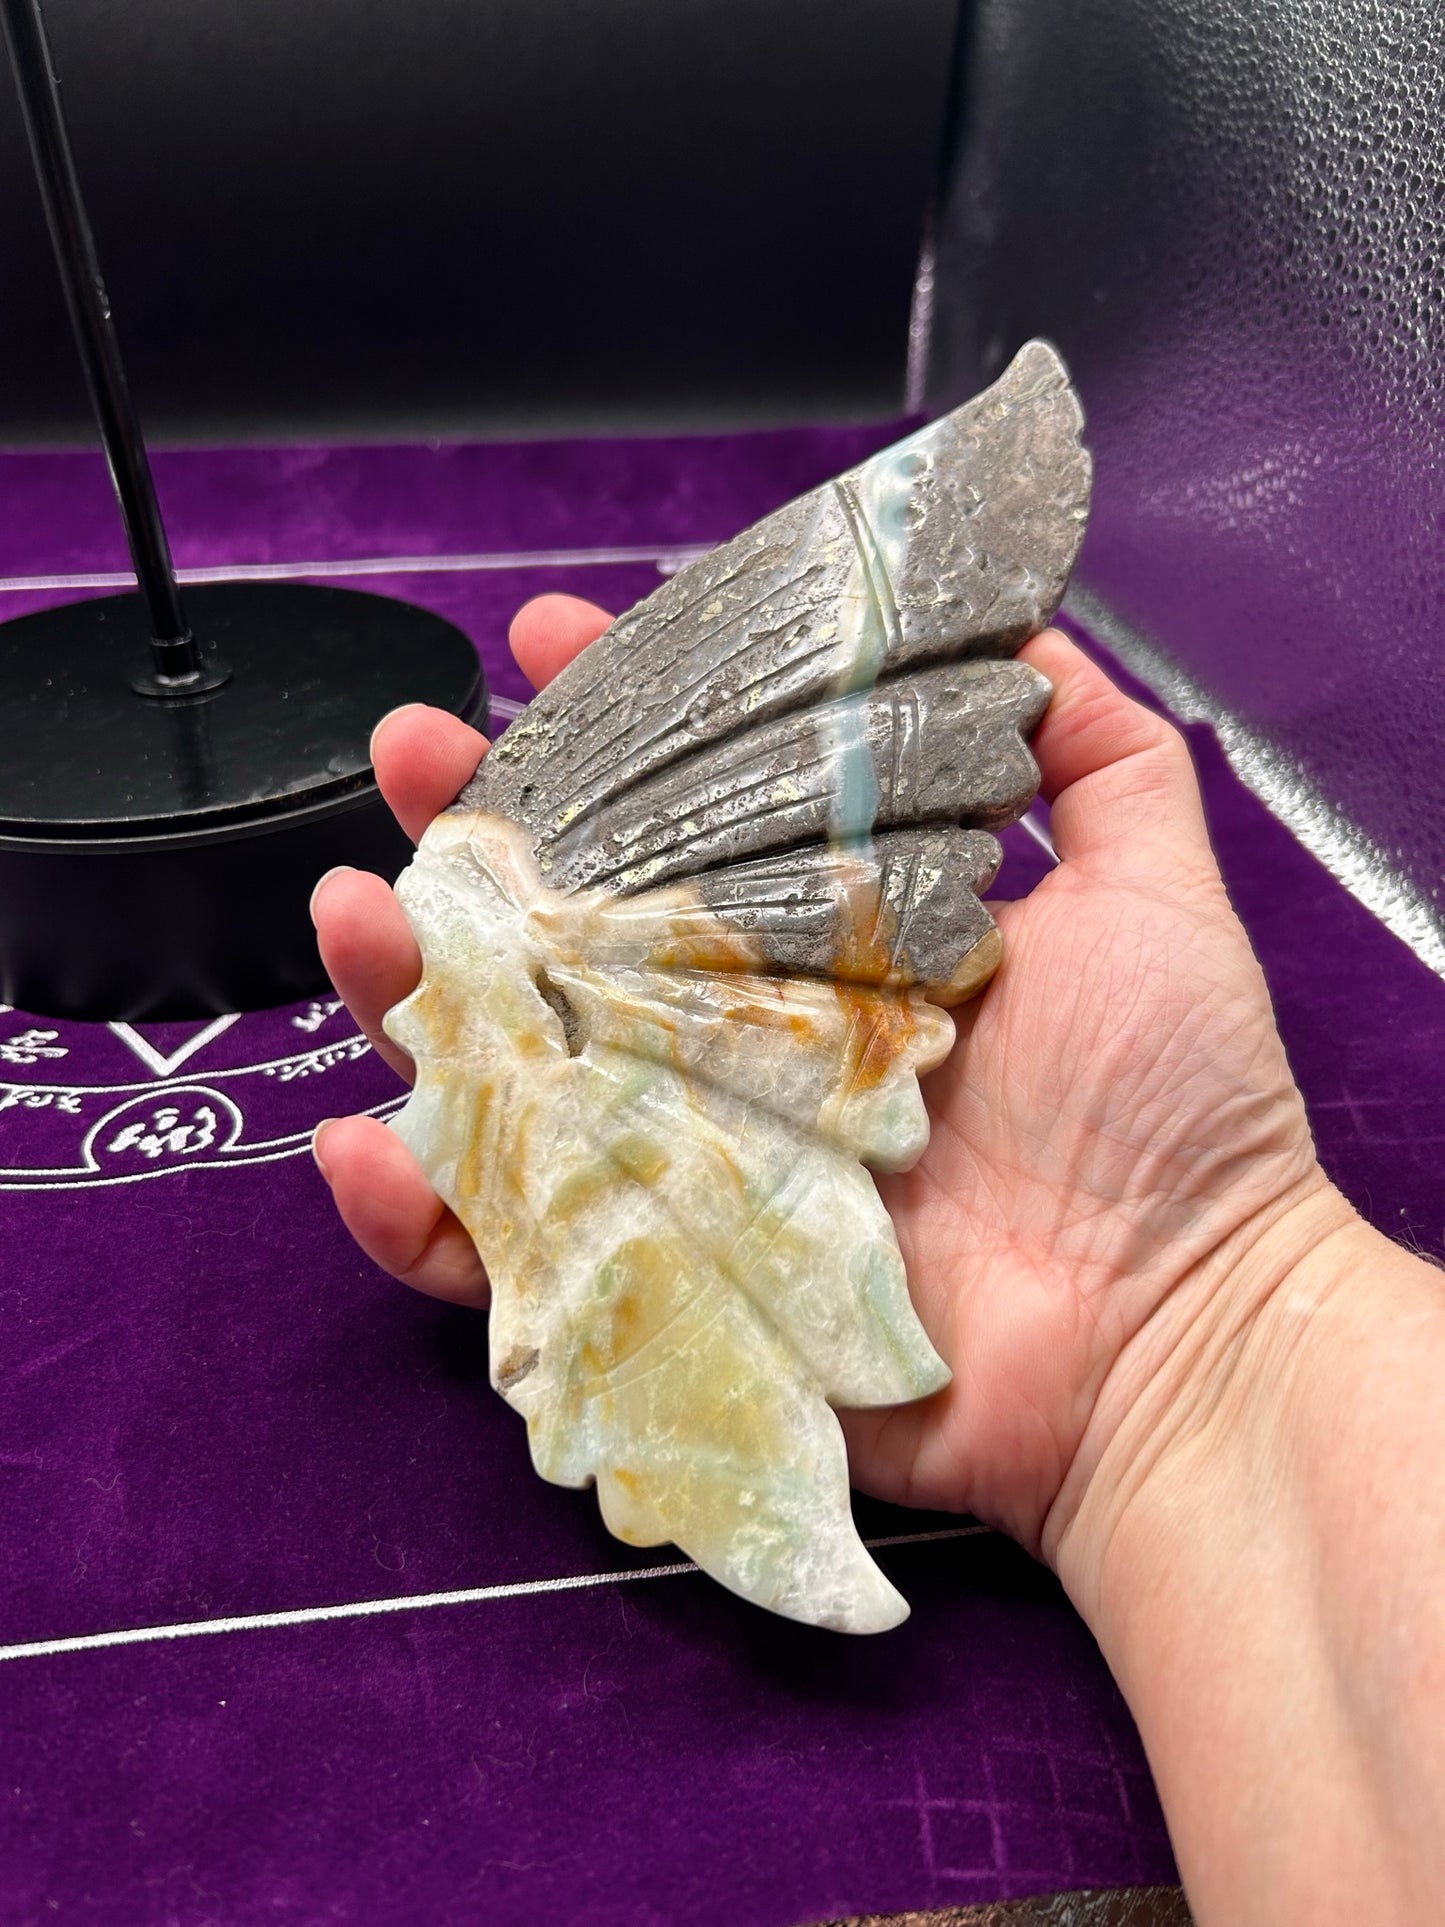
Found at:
(1120, 1160)
(422, 758)
(1117, 1113)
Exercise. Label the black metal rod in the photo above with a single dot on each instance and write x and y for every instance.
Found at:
(173, 650)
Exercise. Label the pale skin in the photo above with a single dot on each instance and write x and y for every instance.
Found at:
(1186, 1374)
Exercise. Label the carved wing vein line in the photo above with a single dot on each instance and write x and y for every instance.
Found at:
(880, 586)
(736, 618)
(687, 1231)
(648, 877)
(805, 1136)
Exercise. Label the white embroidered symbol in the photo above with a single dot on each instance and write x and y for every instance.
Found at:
(30, 1046)
(146, 1133)
(33, 1097)
(316, 1014)
(167, 1133)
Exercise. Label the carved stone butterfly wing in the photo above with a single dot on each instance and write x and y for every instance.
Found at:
(687, 938)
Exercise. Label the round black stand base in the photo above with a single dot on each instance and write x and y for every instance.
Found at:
(157, 855)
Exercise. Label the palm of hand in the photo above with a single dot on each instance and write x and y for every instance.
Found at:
(1118, 1101)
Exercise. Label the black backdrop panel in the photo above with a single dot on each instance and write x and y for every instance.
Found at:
(494, 216)
(1230, 215)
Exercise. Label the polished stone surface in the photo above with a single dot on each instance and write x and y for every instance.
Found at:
(688, 1261)
(686, 936)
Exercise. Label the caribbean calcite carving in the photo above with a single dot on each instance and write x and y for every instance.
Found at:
(689, 936)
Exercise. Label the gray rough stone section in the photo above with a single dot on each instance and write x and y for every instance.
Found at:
(837, 670)
(945, 745)
(928, 884)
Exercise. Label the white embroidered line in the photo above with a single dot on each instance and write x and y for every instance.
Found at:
(211, 1077)
(927, 1538)
(164, 1066)
(666, 559)
(371, 1608)
(265, 1151)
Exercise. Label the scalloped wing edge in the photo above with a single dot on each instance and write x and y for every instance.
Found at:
(683, 1277)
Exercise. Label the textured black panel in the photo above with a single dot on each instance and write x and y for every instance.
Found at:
(492, 216)
(1231, 218)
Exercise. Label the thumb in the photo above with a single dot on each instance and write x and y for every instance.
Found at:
(1119, 778)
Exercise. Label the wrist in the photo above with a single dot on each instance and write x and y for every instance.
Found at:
(1200, 1393)
(1259, 1548)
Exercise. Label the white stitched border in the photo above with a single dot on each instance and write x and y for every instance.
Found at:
(412, 1602)
(668, 560)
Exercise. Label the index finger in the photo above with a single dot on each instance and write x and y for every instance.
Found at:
(423, 756)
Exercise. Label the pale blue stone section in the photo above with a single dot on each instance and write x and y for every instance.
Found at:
(877, 502)
(854, 806)
(885, 489)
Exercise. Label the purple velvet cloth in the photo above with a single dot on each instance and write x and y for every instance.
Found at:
(216, 1408)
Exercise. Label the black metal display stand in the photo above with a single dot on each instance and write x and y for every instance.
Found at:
(176, 775)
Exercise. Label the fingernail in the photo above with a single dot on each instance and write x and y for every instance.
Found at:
(321, 1164)
(371, 747)
(337, 869)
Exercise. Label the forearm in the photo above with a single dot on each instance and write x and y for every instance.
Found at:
(1269, 1587)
